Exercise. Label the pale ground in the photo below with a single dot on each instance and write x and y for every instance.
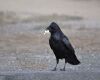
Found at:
(24, 48)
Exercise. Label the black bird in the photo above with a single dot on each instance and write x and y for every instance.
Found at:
(61, 46)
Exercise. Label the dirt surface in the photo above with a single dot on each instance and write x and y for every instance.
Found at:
(23, 47)
(50, 75)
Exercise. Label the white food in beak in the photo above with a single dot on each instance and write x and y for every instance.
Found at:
(46, 31)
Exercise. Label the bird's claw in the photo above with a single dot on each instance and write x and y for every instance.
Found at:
(62, 69)
(54, 69)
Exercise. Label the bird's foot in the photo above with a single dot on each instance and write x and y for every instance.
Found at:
(54, 69)
(62, 69)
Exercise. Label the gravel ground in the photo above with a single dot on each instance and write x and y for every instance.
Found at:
(48, 75)
(24, 48)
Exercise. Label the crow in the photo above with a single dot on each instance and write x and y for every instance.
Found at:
(61, 46)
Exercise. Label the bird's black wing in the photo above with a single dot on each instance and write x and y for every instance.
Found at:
(70, 53)
(67, 44)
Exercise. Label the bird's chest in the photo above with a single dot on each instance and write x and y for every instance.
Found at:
(55, 42)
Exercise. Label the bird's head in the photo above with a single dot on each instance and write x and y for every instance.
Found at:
(52, 28)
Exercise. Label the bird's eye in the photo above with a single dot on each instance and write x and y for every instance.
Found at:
(52, 28)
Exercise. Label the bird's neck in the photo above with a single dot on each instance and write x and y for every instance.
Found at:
(56, 34)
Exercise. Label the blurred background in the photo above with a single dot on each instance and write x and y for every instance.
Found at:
(23, 47)
(32, 9)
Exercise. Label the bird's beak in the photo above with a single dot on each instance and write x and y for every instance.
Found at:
(46, 31)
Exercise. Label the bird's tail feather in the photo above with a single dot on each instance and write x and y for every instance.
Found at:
(73, 61)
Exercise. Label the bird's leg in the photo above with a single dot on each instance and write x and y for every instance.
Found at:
(55, 68)
(64, 66)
